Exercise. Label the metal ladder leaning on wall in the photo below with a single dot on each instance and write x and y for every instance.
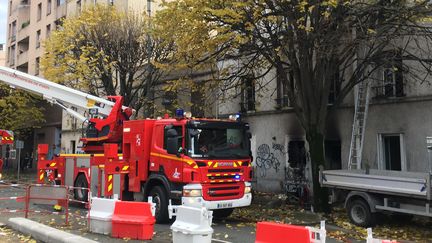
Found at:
(359, 124)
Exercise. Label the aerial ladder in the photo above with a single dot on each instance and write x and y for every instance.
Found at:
(106, 115)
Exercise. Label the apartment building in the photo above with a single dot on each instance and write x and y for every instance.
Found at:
(30, 22)
(398, 122)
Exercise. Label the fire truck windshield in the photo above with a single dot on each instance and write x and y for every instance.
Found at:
(225, 141)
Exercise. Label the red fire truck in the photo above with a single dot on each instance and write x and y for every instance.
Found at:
(199, 162)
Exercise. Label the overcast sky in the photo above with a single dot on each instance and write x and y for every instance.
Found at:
(3, 20)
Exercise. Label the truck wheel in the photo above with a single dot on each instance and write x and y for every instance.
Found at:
(160, 198)
(81, 194)
(222, 213)
(360, 213)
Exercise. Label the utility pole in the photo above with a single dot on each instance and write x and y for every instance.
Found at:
(149, 89)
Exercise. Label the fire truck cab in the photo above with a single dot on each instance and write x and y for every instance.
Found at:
(196, 162)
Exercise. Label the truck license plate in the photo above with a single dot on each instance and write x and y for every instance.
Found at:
(224, 205)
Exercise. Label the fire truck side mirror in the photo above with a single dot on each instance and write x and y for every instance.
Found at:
(172, 141)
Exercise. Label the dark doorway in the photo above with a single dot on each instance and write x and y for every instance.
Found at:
(333, 155)
(392, 152)
(297, 154)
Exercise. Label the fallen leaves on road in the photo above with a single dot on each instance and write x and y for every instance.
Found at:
(268, 207)
(9, 235)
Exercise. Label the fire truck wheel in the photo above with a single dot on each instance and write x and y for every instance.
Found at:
(222, 213)
(161, 200)
(81, 194)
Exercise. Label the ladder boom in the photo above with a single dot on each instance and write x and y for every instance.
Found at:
(55, 93)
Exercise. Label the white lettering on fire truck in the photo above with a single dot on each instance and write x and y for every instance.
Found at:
(138, 140)
(176, 174)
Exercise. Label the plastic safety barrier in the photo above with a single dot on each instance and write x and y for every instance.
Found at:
(133, 220)
(192, 225)
(370, 238)
(100, 214)
(271, 232)
(318, 235)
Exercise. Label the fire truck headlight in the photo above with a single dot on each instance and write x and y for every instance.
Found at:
(247, 189)
(192, 193)
(0, 176)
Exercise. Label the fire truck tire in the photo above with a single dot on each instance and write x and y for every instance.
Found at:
(222, 213)
(81, 194)
(161, 199)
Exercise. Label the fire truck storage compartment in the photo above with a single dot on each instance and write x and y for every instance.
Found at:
(83, 162)
(95, 177)
(136, 149)
(69, 176)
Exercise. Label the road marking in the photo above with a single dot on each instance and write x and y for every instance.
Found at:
(221, 241)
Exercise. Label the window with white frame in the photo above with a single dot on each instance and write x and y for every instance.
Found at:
(391, 83)
(391, 152)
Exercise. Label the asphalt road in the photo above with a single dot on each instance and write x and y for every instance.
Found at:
(228, 230)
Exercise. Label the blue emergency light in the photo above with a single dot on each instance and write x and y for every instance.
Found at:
(179, 113)
(237, 177)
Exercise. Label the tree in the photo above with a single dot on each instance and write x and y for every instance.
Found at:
(107, 52)
(19, 111)
(307, 42)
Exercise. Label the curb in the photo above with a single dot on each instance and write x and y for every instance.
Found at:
(45, 233)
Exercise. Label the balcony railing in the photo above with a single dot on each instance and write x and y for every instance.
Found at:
(22, 58)
(20, 7)
(387, 91)
(61, 11)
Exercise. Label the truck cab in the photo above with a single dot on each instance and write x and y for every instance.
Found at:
(195, 162)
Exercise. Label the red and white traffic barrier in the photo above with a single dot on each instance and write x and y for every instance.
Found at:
(270, 232)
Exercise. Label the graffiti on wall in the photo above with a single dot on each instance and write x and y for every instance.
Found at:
(269, 158)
